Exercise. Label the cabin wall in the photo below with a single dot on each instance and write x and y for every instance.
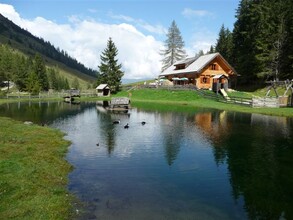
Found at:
(205, 79)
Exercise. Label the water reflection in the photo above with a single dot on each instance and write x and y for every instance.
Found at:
(41, 112)
(258, 152)
(207, 164)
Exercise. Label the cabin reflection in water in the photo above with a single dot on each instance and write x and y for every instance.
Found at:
(214, 124)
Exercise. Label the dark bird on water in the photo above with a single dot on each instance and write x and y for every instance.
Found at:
(143, 122)
(116, 122)
(126, 126)
(97, 144)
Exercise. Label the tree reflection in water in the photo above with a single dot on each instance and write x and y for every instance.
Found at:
(258, 151)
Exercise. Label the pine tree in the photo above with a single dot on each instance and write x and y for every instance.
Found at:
(75, 83)
(212, 50)
(109, 70)
(52, 78)
(39, 69)
(224, 43)
(33, 85)
(174, 47)
(21, 73)
(286, 56)
(244, 43)
(199, 53)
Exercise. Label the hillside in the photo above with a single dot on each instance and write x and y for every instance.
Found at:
(28, 44)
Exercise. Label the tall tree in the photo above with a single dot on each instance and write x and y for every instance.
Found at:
(33, 85)
(224, 43)
(212, 50)
(286, 66)
(244, 43)
(39, 69)
(109, 70)
(263, 40)
(21, 73)
(174, 47)
(75, 83)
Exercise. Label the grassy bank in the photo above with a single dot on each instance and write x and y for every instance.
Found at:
(33, 172)
(187, 99)
(177, 98)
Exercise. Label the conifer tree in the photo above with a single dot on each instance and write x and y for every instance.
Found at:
(109, 70)
(21, 73)
(39, 69)
(224, 43)
(33, 85)
(52, 78)
(212, 50)
(174, 47)
(244, 43)
(75, 83)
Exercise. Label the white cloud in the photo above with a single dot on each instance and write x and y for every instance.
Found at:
(155, 29)
(189, 13)
(85, 39)
(201, 40)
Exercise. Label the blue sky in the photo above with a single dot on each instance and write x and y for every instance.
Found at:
(77, 26)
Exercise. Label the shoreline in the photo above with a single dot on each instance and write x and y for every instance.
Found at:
(34, 172)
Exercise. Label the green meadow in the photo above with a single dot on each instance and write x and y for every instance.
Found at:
(183, 100)
(33, 172)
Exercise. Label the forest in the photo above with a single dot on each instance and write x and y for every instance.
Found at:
(260, 47)
(31, 44)
(29, 74)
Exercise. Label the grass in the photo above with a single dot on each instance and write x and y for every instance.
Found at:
(187, 99)
(183, 98)
(33, 172)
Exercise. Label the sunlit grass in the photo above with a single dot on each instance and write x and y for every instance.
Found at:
(33, 172)
(181, 98)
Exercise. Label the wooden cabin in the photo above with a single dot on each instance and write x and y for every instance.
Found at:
(210, 71)
(103, 90)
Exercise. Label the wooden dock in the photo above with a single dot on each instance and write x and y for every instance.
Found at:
(71, 94)
(121, 103)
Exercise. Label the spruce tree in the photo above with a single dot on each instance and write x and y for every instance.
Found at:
(174, 47)
(52, 78)
(109, 70)
(224, 43)
(75, 83)
(39, 69)
(212, 50)
(244, 43)
(21, 73)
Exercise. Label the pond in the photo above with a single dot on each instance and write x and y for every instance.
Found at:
(200, 164)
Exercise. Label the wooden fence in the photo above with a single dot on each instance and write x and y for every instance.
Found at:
(43, 95)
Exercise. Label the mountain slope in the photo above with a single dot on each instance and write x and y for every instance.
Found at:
(28, 44)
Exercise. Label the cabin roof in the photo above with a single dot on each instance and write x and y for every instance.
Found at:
(196, 65)
(102, 86)
(219, 76)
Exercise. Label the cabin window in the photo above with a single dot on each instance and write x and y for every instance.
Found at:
(205, 80)
(213, 66)
(180, 67)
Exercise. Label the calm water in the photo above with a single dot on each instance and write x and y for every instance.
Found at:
(201, 165)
